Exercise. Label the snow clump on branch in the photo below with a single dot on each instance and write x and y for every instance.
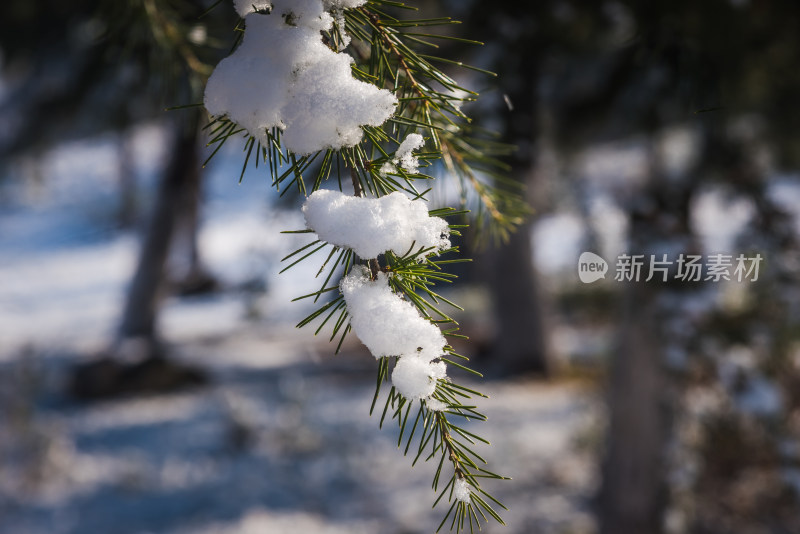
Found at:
(283, 75)
(384, 322)
(415, 378)
(391, 326)
(435, 405)
(404, 156)
(371, 226)
(462, 490)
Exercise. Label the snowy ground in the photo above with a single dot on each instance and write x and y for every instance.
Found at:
(284, 444)
(281, 441)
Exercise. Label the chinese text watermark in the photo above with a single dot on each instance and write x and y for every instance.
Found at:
(662, 268)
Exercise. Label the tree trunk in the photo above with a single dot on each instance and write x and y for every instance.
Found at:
(632, 494)
(641, 389)
(128, 206)
(186, 271)
(519, 340)
(181, 175)
(519, 343)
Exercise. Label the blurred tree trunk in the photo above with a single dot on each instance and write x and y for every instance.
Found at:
(632, 493)
(127, 213)
(519, 343)
(182, 175)
(187, 273)
(642, 385)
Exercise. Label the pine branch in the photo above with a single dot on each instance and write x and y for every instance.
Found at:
(394, 157)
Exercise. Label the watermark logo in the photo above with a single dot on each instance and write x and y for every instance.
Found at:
(591, 267)
(684, 268)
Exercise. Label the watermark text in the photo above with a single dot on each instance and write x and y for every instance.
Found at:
(662, 267)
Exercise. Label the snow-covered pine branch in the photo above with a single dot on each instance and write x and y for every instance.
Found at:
(283, 76)
(336, 89)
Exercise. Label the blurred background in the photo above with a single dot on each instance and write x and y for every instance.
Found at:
(152, 380)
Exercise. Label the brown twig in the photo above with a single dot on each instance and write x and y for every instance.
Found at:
(447, 443)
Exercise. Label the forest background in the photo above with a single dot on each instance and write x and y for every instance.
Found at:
(617, 406)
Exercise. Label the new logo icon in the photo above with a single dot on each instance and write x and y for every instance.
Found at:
(591, 267)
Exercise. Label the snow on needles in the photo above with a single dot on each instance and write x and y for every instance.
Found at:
(462, 490)
(387, 324)
(391, 326)
(371, 226)
(435, 405)
(344, 4)
(415, 378)
(382, 320)
(282, 75)
(404, 155)
(245, 7)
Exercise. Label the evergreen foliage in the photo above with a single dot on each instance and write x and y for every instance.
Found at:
(397, 53)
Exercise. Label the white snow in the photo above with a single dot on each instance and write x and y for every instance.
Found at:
(337, 7)
(245, 7)
(344, 4)
(462, 491)
(560, 237)
(385, 323)
(718, 216)
(415, 377)
(304, 14)
(387, 168)
(282, 75)
(391, 326)
(404, 155)
(371, 226)
(435, 405)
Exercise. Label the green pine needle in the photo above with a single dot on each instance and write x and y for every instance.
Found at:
(388, 52)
